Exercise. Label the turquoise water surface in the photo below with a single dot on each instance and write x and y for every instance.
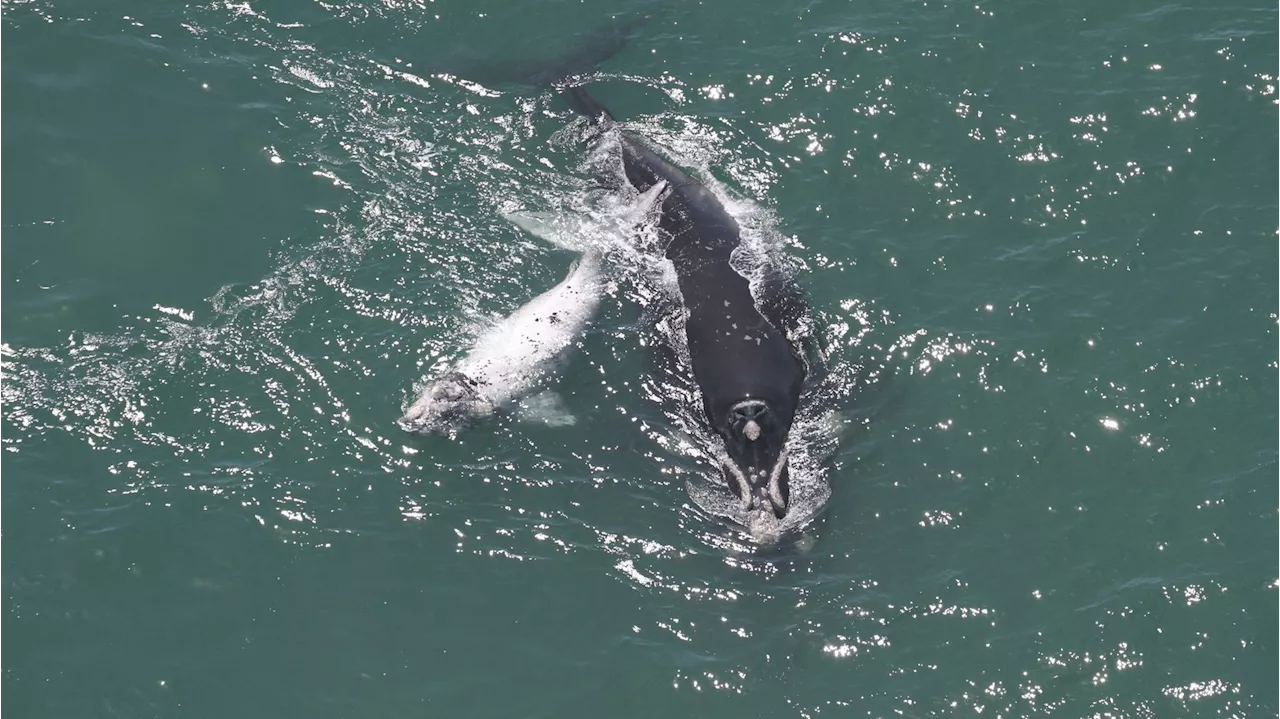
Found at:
(1040, 244)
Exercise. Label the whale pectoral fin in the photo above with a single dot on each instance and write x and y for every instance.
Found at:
(648, 200)
(546, 408)
(560, 229)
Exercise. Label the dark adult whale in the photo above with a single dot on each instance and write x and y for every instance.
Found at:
(748, 370)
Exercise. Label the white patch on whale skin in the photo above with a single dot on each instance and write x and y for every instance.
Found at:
(775, 481)
(808, 447)
(763, 527)
(744, 485)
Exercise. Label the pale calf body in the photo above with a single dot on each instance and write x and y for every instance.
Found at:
(513, 358)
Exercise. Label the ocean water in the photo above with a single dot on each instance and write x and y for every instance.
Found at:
(1040, 245)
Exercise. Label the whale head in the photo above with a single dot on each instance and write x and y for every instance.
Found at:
(449, 404)
(755, 459)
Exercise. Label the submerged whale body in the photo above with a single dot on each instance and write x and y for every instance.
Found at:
(749, 372)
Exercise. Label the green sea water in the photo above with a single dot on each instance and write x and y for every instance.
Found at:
(1040, 244)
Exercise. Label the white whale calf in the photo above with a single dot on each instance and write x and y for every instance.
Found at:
(514, 357)
(517, 356)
